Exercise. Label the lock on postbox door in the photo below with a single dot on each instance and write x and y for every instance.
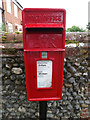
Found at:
(44, 47)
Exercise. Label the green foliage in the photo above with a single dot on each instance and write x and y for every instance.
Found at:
(75, 29)
(5, 34)
(3, 27)
(3, 38)
(88, 26)
(21, 22)
(70, 41)
(17, 32)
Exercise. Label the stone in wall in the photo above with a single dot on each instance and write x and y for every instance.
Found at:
(16, 70)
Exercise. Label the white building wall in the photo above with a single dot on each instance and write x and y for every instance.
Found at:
(10, 27)
(1, 3)
(0, 18)
(0, 13)
(89, 11)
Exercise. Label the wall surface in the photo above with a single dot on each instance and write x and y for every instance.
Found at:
(75, 100)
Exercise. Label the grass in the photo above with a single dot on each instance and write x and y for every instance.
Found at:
(70, 41)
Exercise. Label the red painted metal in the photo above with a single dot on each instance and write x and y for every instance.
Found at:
(44, 30)
(43, 26)
(57, 49)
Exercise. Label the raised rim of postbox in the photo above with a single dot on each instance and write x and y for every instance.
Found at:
(40, 50)
(44, 99)
(44, 26)
(46, 9)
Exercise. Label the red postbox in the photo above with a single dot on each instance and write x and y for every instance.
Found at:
(44, 47)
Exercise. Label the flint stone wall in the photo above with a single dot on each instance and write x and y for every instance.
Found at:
(75, 99)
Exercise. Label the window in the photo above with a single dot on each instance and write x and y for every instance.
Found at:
(15, 10)
(1, 3)
(9, 6)
(10, 27)
(20, 14)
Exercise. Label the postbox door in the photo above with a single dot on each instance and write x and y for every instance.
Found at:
(53, 61)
